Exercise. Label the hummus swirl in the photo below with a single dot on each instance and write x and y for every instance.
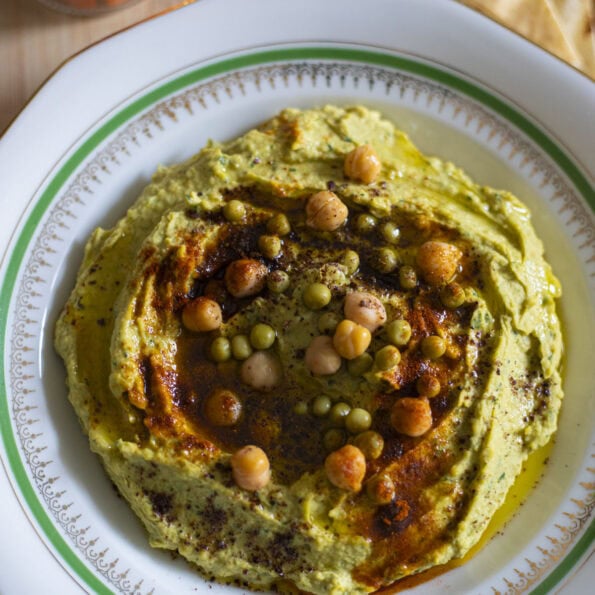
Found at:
(472, 349)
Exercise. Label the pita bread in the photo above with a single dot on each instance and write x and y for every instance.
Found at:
(575, 18)
(538, 21)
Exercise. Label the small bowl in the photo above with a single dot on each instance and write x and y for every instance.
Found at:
(86, 7)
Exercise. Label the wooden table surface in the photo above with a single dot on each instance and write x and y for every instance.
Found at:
(35, 40)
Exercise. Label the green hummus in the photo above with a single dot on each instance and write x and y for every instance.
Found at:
(481, 349)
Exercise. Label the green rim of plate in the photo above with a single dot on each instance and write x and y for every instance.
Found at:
(376, 58)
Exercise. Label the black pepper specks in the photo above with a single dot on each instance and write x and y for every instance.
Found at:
(161, 502)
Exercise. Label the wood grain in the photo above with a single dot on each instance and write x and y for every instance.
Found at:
(35, 40)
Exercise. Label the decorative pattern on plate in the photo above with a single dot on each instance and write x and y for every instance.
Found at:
(48, 244)
(22, 373)
(558, 546)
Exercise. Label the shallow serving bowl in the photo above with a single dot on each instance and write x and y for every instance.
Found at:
(464, 88)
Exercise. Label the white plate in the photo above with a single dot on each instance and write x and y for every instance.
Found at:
(464, 88)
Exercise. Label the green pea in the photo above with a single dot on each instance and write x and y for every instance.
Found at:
(333, 439)
(365, 223)
(316, 296)
(240, 347)
(279, 224)
(398, 332)
(388, 357)
(220, 349)
(262, 336)
(428, 385)
(300, 408)
(321, 405)
(452, 296)
(234, 210)
(381, 489)
(360, 365)
(335, 275)
(338, 413)
(390, 232)
(358, 420)
(433, 346)
(370, 443)
(385, 260)
(351, 261)
(278, 281)
(407, 277)
(270, 246)
(327, 323)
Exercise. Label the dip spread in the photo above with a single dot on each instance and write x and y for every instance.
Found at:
(313, 357)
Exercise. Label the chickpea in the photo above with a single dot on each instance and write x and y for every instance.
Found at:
(438, 261)
(351, 339)
(411, 416)
(245, 277)
(202, 314)
(365, 309)
(223, 407)
(325, 211)
(428, 385)
(321, 357)
(433, 346)
(370, 443)
(452, 296)
(250, 468)
(346, 468)
(362, 164)
(381, 489)
(262, 371)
